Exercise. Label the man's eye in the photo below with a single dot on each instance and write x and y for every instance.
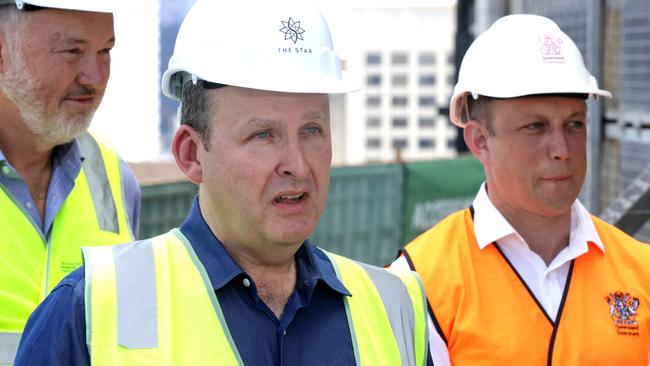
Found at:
(262, 135)
(576, 124)
(73, 51)
(313, 130)
(534, 126)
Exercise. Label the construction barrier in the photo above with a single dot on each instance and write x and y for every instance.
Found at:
(371, 211)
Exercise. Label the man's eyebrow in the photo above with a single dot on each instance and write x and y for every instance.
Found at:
(315, 115)
(72, 41)
(541, 116)
(259, 122)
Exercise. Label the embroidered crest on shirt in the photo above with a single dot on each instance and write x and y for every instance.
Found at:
(623, 310)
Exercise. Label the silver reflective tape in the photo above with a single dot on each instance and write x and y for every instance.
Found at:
(100, 189)
(8, 346)
(135, 278)
(399, 308)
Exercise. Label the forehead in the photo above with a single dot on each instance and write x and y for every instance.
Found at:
(550, 106)
(57, 25)
(278, 104)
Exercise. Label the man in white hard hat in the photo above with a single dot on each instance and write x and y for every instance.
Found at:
(59, 187)
(238, 282)
(526, 276)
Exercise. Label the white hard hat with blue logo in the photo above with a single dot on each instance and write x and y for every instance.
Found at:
(281, 45)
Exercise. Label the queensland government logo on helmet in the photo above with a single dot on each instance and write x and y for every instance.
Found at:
(551, 49)
(292, 31)
(623, 310)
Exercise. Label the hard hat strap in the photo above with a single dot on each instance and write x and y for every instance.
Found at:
(210, 85)
(466, 109)
(21, 5)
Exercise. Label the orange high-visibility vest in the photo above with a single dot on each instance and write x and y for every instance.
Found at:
(487, 316)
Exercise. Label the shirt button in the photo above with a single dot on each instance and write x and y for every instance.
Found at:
(246, 282)
(284, 333)
(307, 283)
(29, 205)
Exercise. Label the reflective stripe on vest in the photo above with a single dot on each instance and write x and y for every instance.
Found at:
(31, 264)
(95, 171)
(400, 306)
(163, 319)
(488, 317)
(8, 346)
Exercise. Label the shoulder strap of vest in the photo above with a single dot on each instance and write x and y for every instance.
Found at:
(379, 296)
(135, 286)
(98, 182)
(134, 305)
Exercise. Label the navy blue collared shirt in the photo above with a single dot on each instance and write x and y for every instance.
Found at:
(313, 329)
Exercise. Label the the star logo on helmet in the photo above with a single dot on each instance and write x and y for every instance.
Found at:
(292, 30)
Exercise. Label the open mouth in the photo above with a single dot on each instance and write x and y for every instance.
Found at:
(290, 198)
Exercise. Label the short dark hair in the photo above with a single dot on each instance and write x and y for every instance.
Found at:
(197, 105)
(479, 111)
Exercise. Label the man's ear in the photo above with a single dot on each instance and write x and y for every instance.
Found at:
(476, 138)
(186, 148)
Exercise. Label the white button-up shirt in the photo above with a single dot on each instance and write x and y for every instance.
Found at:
(545, 282)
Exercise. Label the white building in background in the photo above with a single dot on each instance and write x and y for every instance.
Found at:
(401, 53)
(129, 115)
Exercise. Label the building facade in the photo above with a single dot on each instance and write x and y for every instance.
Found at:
(402, 57)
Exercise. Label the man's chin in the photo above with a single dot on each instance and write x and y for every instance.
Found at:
(68, 134)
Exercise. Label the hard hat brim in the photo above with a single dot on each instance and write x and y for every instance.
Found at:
(310, 85)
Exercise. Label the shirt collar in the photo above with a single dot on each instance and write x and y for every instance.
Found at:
(490, 225)
(69, 156)
(311, 262)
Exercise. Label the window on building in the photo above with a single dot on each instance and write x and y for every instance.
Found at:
(427, 58)
(373, 80)
(427, 101)
(451, 143)
(451, 79)
(400, 122)
(400, 143)
(400, 101)
(451, 58)
(426, 143)
(373, 143)
(399, 58)
(373, 122)
(400, 80)
(373, 58)
(427, 79)
(426, 122)
(373, 101)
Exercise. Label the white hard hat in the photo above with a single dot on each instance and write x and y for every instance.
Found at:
(276, 45)
(101, 6)
(521, 55)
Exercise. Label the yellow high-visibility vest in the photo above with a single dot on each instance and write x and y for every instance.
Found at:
(32, 264)
(151, 303)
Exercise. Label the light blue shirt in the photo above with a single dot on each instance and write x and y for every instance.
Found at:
(66, 165)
